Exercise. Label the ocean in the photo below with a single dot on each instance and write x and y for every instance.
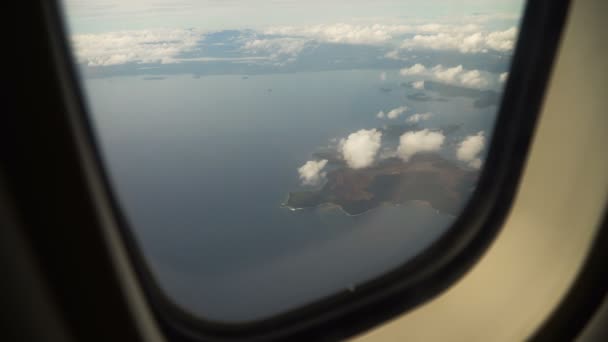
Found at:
(201, 166)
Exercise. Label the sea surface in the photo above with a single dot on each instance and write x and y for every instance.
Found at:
(202, 165)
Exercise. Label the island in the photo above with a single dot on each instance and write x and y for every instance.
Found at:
(429, 178)
(482, 98)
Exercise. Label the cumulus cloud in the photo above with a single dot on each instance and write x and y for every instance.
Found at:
(473, 79)
(418, 85)
(424, 140)
(502, 40)
(447, 75)
(503, 77)
(455, 75)
(465, 42)
(359, 149)
(459, 75)
(311, 173)
(416, 69)
(141, 46)
(419, 117)
(393, 113)
(469, 149)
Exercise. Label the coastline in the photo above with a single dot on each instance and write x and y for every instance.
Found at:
(334, 205)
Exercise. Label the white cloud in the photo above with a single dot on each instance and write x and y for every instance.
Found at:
(418, 85)
(311, 173)
(277, 47)
(502, 40)
(465, 42)
(167, 45)
(473, 79)
(455, 75)
(359, 149)
(419, 117)
(416, 69)
(424, 140)
(503, 77)
(383, 76)
(395, 113)
(447, 75)
(469, 149)
(142, 46)
(371, 34)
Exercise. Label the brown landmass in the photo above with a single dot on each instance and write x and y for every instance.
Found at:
(429, 178)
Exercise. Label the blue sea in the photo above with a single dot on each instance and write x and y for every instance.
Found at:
(201, 166)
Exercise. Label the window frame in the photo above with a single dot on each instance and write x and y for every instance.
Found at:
(417, 280)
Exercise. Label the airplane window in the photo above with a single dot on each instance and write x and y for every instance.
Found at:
(270, 154)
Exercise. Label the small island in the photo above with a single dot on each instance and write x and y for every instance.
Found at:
(441, 183)
(482, 98)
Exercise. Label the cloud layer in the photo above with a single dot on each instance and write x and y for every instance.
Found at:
(369, 34)
(424, 140)
(311, 173)
(167, 45)
(142, 46)
(359, 149)
(466, 38)
(469, 149)
(451, 75)
(277, 47)
(465, 42)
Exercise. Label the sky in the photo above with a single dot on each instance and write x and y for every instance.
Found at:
(94, 16)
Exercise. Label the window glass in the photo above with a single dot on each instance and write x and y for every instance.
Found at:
(268, 154)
